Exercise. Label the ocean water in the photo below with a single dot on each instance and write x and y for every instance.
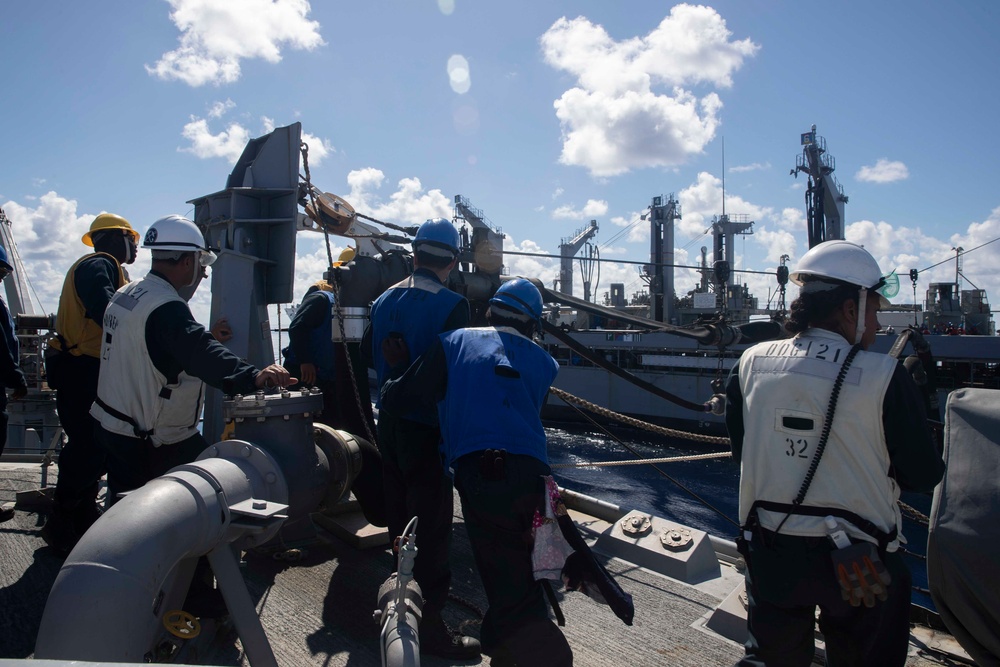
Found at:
(715, 482)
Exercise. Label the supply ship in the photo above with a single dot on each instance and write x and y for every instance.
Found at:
(676, 349)
(302, 572)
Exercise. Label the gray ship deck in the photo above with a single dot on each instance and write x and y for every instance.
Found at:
(318, 611)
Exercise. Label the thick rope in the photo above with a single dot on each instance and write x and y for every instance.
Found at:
(658, 470)
(914, 514)
(304, 149)
(637, 423)
(636, 462)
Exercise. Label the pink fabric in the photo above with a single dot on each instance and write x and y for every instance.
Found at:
(551, 549)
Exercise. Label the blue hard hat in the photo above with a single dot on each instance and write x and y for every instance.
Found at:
(3, 259)
(520, 295)
(437, 233)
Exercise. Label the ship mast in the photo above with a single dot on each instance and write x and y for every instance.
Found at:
(661, 253)
(825, 196)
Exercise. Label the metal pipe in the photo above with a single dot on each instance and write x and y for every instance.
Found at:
(400, 608)
(134, 564)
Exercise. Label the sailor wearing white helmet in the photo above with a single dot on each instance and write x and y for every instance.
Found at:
(489, 385)
(846, 427)
(155, 360)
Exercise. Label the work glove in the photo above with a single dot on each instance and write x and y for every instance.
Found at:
(861, 574)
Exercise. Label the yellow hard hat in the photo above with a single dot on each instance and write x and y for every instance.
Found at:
(108, 221)
(322, 285)
(346, 255)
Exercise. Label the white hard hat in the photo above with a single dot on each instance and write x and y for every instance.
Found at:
(839, 262)
(177, 233)
(842, 261)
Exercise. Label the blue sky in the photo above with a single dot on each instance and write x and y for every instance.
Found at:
(555, 113)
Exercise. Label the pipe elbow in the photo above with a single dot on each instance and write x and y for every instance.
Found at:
(108, 598)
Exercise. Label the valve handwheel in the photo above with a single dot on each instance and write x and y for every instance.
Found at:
(181, 624)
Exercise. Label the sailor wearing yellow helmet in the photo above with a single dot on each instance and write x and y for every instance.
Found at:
(72, 365)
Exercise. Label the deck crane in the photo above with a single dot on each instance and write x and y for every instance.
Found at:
(17, 289)
(825, 196)
(568, 248)
(33, 426)
(484, 251)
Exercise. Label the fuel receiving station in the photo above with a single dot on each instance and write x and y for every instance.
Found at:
(119, 594)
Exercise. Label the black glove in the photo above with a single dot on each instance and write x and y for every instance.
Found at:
(920, 345)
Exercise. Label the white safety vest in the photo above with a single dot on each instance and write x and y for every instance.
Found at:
(786, 389)
(130, 385)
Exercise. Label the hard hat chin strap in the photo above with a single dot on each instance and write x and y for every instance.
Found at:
(859, 329)
(129, 250)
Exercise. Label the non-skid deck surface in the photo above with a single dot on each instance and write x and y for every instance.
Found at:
(318, 611)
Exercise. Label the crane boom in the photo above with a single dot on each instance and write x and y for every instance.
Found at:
(18, 299)
(825, 196)
(486, 251)
(567, 250)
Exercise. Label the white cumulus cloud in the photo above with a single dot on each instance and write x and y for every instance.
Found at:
(592, 209)
(219, 109)
(702, 201)
(883, 171)
(630, 108)
(409, 204)
(216, 35)
(48, 239)
(227, 144)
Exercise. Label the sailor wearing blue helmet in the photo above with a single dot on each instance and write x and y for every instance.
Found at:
(489, 385)
(415, 311)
